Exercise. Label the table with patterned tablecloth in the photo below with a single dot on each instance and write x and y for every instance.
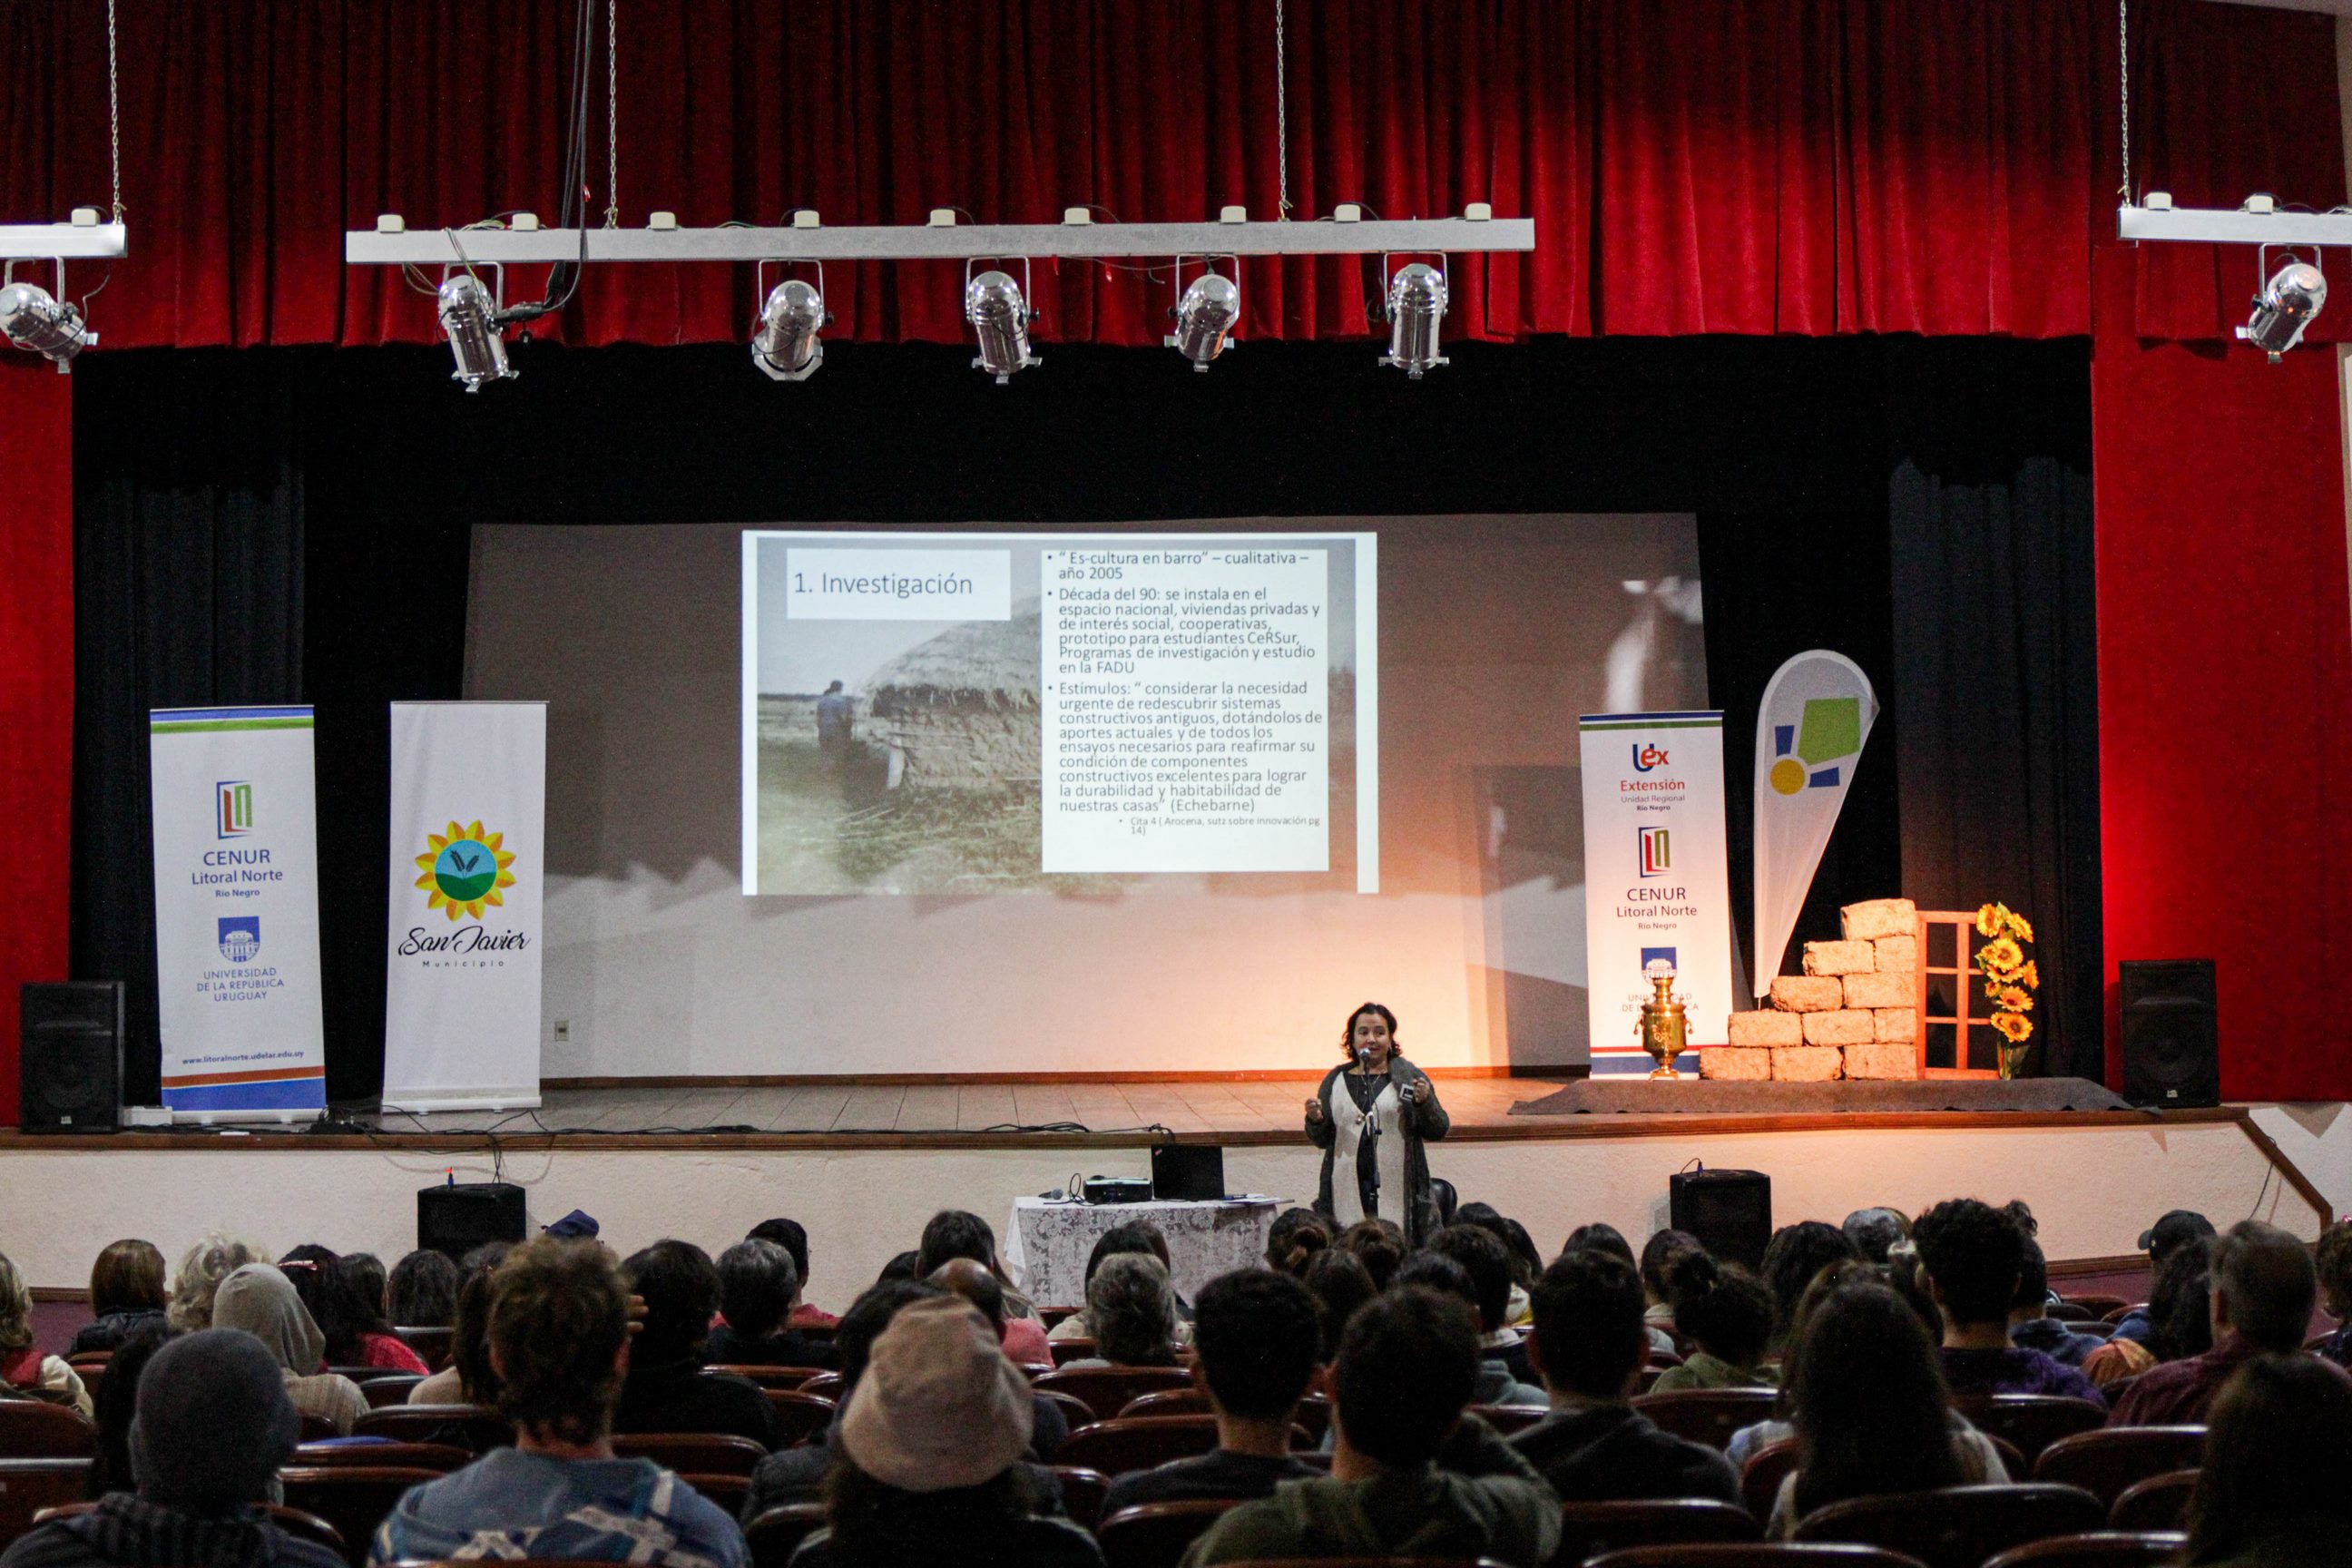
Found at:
(1047, 1244)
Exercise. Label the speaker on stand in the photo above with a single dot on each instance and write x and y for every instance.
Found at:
(1730, 1212)
(69, 1056)
(2171, 1033)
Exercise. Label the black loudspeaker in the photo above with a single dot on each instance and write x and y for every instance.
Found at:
(453, 1220)
(1730, 1212)
(2170, 1042)
(69, 1056)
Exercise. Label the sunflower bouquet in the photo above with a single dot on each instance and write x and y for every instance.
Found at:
(2009, 979)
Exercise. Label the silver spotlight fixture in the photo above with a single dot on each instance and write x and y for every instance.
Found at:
(2290, 299)
(1205, 315)
(34, 318)
(1416, 306)
(999, 312)
(469, 315)
(786, 347)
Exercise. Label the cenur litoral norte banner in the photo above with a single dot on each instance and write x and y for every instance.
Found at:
(236, 912)
(468, 875)
(1809, 731)
(1656, 884)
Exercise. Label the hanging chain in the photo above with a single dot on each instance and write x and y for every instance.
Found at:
(1281, 117)
(2123, 54)
(612, 113)
(114, 109)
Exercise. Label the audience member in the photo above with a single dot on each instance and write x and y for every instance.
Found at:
(1794, 1255)
(213, 1425)
(2176, 1318)
(1340, 1284)
(202, 1270)
(1873, 1232)
(963, 1276)
(2264, 1290)
(259, 1299)
(559, 1338)
(1132, 1311)
(2031, 1326)
(901, 1269)
(2334, 1263)
(1871, 1411)
(952, 1233)
(1589, 1342)
(116, 1404)
(1605, 1238)
(1727, 1314)
(1487, 1257)
(1379, 1246)
(358, 1333)
(1903, 1273)
(1297, 1235)
(1525, 1260)
(792, 1236)
(930, 1445)
(1259, 1345)
(1435, 1271)
(1406, 1369)
(1658, 1255)
(2271, 1493)
(757, 1288)
(468, 1379)
(423, 1291)
(1973, 1254)
(1746, 1443)
(1138, 1236)
(126, 1295)
(2177, 1229)
(666, 1389)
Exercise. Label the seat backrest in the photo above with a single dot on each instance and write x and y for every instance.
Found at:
(1155, 1535)
(310, 1527)
(1070, 1350)
(1106, 1389)
(799, 1417)
(2107, 1462)
(2159, 1502)
(1956, 1527)
(767, 1376)
(1754, 1554)
(1075, 1411)
(2032, 1421)
(29, 1486)
(2098, 1548)
(826, 1384)
(777, 1534)
(1129, 1443)
(1708, 1415)
(1083, 1492)
(354, 1499)
(726, 1492)
(477, 1428)
(316, 1428)
(705, 1453)
(1760, 1478)
(1590, 1528)
(1054, 1317)
(392, 1390)
(431, 1346)
(2097, 1306)
(440, 1458)
(1510, 1418)
(1168, 1401)
(34, 1429)
(2118, 1314)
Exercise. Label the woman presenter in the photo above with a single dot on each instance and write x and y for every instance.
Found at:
(1371, 1117)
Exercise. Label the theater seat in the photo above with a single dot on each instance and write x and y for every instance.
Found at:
(778, 1532)
(440, 1458)
(1956, 1527)
(2159, 1502)
(1083, 1492)
(767, 1376)
(29, 1487)
(1708, 1415)
(354, 1499)
(2098, 1548)
(799, 1417)
(707, 1453)
(2032, 1421)
(34, 1429)
(477, 1428)
(1155, 1535)
(2111, 1461)
(1762, 1555)
(1106, 1389)
(1588, 1529)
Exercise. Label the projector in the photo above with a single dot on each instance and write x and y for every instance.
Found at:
(1116, 1190)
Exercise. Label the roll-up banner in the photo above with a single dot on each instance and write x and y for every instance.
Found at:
(1656, 882)
(1809, 730)
(236, 913)
(468, 833)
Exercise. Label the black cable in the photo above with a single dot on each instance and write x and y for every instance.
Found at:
(572, 209)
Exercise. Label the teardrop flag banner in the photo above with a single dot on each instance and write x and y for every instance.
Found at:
(1809, 731)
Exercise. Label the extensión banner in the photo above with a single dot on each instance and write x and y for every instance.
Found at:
(468, 874)
(1656, 882)
(236, 912)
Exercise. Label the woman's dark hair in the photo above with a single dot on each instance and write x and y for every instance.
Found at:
(1340, 1283)
(1132, 1235)
(680, 1287)
(1870, 1410)
(1348, 1034)
(469, 1340)
(868, 1316)
(127, 1277)
(1297, 1236)
(1658, 1255)
(1722, 1306)
(366, 1273)
(424, 1288)
(345, 1298)
(1379, 1246)
(953, 1232)
(876, 1525)
(2179, 1303)
(1526, 1262)
(116, 1401)
(901, 1269)
(310, 1269)
(2275, 1447)
(1853, 1272)
(1598, 1236)
(790, 1235)
(1794, 1255)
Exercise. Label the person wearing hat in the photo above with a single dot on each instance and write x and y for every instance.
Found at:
(559, 1339)
(262, 1301)
(932, 1443)
(2177, 1229)
(212, 1424)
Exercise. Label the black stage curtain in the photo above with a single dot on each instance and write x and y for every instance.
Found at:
(292, 524)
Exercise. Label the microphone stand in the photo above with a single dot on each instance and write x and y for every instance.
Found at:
(1371, 1127)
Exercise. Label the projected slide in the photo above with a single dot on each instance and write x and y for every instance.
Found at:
(961, 714)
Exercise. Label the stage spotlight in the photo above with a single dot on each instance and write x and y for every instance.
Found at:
(1416, 305)
(999, 318)
(1205, 317)
(471, 318)
(33, 318)
(785, 348)
(2296, 293)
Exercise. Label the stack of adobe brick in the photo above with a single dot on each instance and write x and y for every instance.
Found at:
(1852, 1013)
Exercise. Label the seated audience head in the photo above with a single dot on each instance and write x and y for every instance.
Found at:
(1909, 1281)
(16, 1308)
(1794, 1255)
(1135, 1236)
(423, 1291)
(127, 1277)
(260, 1299)
(202, 1270)
(757, 1286)
(2334, 1263)
(790, 1235)
(2263, 1287)
(1851, 1271)
(2274, 1446)
(214, 1424)
(953, 1232)
(115, 1404)
(2176, 1229)
(868, 1316)
(352, 1297)
(1379, 1244)
(1601, 1234)
(1658, 1255)
(1132, 1311)
(1259, 1341)
(1868, 1401)
(2032, 1297)
(1435, 1271)
(1873, 1231)
(365, 1273)
(963, 1276)
(559, 1339)
(1526, 1261)
(2180, 1303)
(680, 1287)
(310, 1269)
(1588, 1338)
(1722, 1306)
(1408, 1365)
(1973, 1254)
(1297, 1236)
(1486, 1259)
(1340, 1284)
(469, 1337)
(900, 1269)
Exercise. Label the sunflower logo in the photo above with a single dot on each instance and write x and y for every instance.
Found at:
(464, 868)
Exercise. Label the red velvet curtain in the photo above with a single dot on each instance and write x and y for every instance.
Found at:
(1725, 165)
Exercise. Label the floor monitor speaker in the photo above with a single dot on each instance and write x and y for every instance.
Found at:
(2171, 1047)
(69, 1056)
(1730, 1212)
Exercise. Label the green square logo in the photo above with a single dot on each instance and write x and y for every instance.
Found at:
(1831, 728)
